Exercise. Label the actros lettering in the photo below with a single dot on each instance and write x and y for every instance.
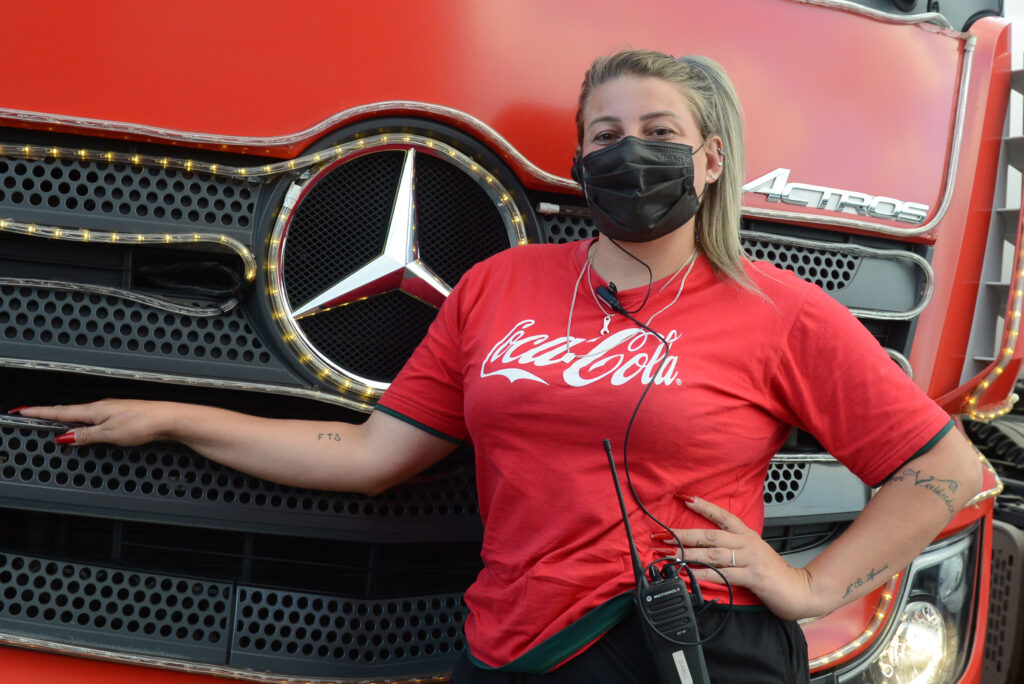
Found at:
(775, 186)
(617, 358)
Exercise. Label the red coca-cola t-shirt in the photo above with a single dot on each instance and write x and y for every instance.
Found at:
(497, 369)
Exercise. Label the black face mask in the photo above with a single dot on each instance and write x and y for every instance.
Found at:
(638, 190)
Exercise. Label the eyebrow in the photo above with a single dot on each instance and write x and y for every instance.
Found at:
(643, 117)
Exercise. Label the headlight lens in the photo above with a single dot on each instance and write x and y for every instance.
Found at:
(927, 644)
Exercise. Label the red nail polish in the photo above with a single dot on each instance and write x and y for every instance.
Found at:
(661, 536)
(686, 497)
(17, 410)
(66, 438)
(666, 552)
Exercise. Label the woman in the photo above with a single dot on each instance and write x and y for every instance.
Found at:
(531, 365)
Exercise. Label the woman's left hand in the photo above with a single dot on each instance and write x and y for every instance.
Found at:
(745, 559)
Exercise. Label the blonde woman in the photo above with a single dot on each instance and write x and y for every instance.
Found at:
(528, 363)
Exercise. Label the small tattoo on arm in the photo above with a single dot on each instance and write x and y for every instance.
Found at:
(866, 579)
(330, 436)
(944, 489)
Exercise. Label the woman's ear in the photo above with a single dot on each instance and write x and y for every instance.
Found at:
(715, 159)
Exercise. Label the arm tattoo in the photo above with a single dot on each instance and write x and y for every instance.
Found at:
(331, 436)
(861, 581)
(944, 489)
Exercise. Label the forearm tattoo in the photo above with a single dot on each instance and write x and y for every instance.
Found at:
(866, 579)
(330, 436)
(944, 489)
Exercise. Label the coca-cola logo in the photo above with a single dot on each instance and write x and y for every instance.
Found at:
(622, 356)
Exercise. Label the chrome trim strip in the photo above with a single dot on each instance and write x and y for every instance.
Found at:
(186, 380)
(426, 109)
(138, 298)
(902, 361)
(804, 458)
(848, 6)
(947, 191)
(868, 252)
(43, 645)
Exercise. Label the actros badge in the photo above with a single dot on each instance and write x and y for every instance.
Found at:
(777, 188)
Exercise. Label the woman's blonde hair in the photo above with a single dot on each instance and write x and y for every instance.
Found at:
(712, 99)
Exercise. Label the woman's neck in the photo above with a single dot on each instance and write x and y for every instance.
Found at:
(664, 256)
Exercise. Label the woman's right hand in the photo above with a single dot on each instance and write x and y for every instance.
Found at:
(124, 422)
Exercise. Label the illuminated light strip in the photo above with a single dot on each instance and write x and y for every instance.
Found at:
(238, 674)
(104, 237)
(186, 381)
(1011, 335)
(881, 612)
(39, 152)
(366, 390)
(147, 300)
(988, 493)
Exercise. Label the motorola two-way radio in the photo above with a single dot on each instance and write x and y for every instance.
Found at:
(665, 604)
(666, 610)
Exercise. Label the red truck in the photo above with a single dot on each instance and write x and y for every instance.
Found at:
(180, 183)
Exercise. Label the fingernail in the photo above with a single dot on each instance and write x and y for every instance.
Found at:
(66, 438)
(665, 551)
(661, 536)
(17, 410)
(686, 497)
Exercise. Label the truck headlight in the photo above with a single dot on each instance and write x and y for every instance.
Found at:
(927, 643)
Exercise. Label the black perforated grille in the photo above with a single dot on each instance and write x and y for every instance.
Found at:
(109, 324)
(341, 224)
(135, 192)
(144, 476)
(784, 482)
(830, 270)
(117, 609)
(322, 634)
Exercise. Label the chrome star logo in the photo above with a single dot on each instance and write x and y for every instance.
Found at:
(398, 267)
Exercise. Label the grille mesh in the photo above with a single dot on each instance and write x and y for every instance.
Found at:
(170, 472)
(316, 634)
(115, 608)
(828, 269)
(130, 192)
(784, 482)
(76, 320)
(341, 223)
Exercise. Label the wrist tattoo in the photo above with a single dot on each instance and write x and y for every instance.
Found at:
(330, 436)
(944, 489)
(861, 581)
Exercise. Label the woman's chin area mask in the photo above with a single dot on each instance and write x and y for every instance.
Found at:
(638, 190)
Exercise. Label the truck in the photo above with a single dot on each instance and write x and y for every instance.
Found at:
(261, 205)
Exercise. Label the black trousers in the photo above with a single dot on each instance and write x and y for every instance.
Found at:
(755, 647)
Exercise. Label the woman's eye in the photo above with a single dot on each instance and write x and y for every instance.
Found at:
(605, 136)
(661, 132)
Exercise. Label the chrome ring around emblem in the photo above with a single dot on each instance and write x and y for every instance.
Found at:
(398, 266)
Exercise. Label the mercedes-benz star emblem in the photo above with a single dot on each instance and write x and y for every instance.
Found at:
(398, 267)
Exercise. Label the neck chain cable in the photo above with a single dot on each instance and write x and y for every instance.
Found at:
(688, 265)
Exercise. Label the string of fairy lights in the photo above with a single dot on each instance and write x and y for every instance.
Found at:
(338, 379)
(1008, 347)
(878, 616)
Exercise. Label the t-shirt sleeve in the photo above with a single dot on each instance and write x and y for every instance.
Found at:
(836, 382)
(428, 390)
